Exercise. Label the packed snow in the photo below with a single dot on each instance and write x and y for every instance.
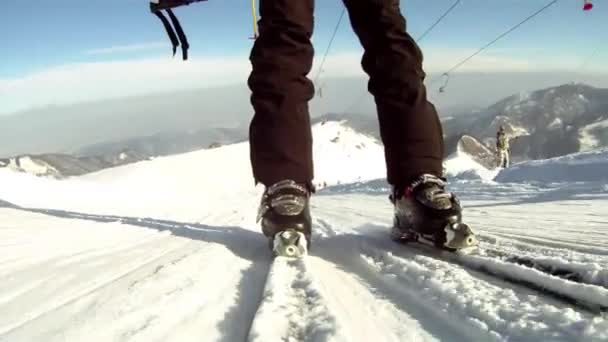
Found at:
(169, 250)
(462, 166)
(578, 167)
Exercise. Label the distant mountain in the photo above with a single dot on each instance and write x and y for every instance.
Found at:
(163, 144)
(68, 128)
(64, 165)
(367, 125)
(105, 155)
(545, 123)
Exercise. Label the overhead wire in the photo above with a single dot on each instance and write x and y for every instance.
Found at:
(580, 70)
(493, 41)
(420, 38)
(331, 41)
(445, 14)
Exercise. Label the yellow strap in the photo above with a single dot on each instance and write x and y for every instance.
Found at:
(255, 19)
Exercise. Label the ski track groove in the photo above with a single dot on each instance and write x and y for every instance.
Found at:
(125, 298)
(366, 308)
(82, 293)
(589, 273)
(588, 296)
(182, 291)
(530, 299)
(584, 295)
(305, 299)
(516, 247)
(60, 258)
(7, 297)
(251, 288)
(291, 293)
(345, 251)
(584, 247)
(492, 319)
(39, 264)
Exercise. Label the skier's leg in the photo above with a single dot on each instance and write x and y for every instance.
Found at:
(409, 125)
(280, 136)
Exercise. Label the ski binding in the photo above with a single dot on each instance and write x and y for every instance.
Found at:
(457, 237)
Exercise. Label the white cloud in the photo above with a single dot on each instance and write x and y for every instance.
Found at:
(437, 59)
(441, 60)
(90, 81)
(126, 48)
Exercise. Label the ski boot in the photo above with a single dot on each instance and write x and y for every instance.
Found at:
(425, 213)
(285, 218)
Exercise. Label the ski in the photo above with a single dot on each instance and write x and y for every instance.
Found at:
(488, 262)
(454, 237)
(556, 270)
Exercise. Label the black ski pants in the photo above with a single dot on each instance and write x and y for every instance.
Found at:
(280, 132)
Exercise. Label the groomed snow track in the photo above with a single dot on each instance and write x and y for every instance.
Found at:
(148, 279)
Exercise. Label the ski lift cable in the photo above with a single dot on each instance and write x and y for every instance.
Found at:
(493, 41)
(589, 58)
(331, 41)
(445, 14)
(580, 71)
(420, 38)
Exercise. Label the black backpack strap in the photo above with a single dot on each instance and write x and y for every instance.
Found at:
(157, 6)
(180, 33)
(169, 30)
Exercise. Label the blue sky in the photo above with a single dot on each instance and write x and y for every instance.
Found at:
(45, 35)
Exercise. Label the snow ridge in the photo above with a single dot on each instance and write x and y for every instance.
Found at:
(589, 296)
(588, 273)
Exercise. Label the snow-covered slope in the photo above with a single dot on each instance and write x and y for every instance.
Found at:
(547, 123)
(65, 165)
(198, 179)
(168, 250)
(588, 167)
(578, 167)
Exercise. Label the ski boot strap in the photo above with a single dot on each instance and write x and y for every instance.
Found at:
(410, 189)
(286, 194)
